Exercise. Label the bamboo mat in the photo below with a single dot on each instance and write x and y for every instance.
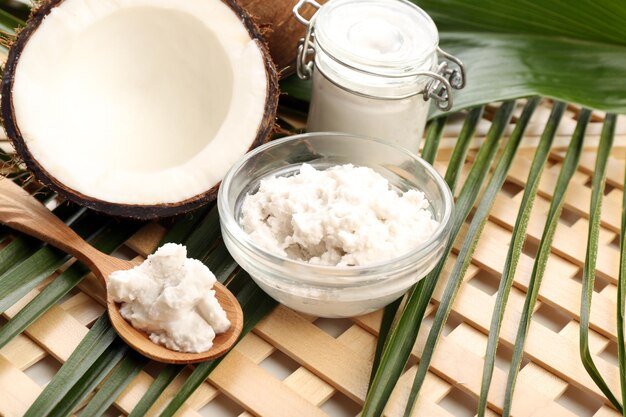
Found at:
(293, 365)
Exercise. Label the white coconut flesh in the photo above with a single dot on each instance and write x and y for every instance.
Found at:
(140, 101)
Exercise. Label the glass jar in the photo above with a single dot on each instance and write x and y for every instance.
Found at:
(376, 65)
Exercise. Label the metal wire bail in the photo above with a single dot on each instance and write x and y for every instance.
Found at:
(439, 89)
(444, 80)
(304, 61)
(300, 5)
(306, 52)
(455, 75)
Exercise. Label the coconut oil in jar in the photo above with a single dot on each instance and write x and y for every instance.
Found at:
(375, 67)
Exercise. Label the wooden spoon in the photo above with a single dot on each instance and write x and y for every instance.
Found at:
(20, 211)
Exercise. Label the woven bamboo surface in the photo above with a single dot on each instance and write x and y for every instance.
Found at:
(323, 365)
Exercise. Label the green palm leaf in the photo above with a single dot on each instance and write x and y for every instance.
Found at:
(505, 66)
(567, 171)
(467, 249)
(515, 249)
(204, 235)
(455, 164)
(165, 377)
(433, 137)
(589, 270)
(91, 378)
(457, 159)
(184, 226)
(9, 22)
(573, 52)
(402, 338)
(621, 304)
(97, 340)
(115, 383)
(429, 152)
(459, 153)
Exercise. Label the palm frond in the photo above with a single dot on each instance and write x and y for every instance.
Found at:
(429, 153)
(433, 137)
(9, 22)
(165, 377)
(115, 383)
(569, 168)
(93, 376)
(515, 249)
(402, 338)
(589, 269)
(98, 339)
(459, 153)
(467, 249)
(621, 304)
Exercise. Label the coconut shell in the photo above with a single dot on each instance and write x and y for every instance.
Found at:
(281, 29)
(135, 211)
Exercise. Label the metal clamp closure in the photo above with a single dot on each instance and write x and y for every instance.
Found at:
(445, 79)
(306, 51)
(300, 5)
(456, 74)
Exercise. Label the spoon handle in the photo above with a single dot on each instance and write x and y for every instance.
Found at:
(22, 212)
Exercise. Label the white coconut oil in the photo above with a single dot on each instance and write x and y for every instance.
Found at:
(170, 297)
(399, 121)
(341, 216)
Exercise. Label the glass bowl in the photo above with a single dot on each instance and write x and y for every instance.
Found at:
(331, 291)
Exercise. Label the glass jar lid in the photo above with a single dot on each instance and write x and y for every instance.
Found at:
(381, 49)
(383, 37)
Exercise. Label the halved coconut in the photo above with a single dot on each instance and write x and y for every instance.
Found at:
(138, 108)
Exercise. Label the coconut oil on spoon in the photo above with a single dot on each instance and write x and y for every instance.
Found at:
(20, 211)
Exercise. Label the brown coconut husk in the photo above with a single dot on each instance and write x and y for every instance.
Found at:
(280, 29)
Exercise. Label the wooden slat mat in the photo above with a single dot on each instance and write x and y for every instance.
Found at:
(325, 364)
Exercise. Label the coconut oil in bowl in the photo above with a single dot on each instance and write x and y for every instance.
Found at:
(328, 290)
